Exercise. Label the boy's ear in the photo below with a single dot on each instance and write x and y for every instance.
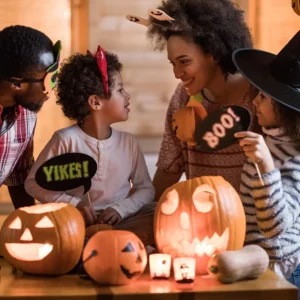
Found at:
(95, 102)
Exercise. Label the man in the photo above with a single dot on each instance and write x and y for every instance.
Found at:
(28, 67)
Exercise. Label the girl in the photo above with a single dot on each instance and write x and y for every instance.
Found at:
(91, 91)
(272, 206)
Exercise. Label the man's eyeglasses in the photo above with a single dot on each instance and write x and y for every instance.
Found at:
(50, 77)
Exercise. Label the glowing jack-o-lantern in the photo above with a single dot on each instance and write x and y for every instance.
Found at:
(197, 217)
(114, 257)
(44, 239)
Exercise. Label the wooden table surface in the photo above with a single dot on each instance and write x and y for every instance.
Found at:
(20, 286)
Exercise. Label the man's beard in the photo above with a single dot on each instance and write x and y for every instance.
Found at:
(35, 107)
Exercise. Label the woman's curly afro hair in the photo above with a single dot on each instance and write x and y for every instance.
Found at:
(80, 78)
(217, 26)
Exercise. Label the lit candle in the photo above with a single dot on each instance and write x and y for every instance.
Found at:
(184, 269)
(160, 265)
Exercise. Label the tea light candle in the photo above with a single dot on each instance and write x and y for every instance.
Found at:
(184, 269)
(160, 265)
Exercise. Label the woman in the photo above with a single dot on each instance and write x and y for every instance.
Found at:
(200, 42)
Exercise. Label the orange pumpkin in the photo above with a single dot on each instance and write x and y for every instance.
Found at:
(43, 239)
(91, 230)
(114, 257)
(186, 119)
(198, 217)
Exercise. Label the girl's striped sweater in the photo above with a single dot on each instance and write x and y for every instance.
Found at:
(273, 210)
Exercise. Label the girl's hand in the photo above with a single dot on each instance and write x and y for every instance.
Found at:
(256, 149)
(109, 216)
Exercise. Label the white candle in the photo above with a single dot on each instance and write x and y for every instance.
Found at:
(184, 269)
(160, 265)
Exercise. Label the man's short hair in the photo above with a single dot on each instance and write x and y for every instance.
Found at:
(20, 51)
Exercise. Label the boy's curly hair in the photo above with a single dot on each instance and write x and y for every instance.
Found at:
(80, 78)
(217, 26)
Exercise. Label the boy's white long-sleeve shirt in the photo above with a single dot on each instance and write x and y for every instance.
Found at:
(119, 159)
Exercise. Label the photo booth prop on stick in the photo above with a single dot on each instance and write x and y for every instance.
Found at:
(154, 13)
(115, 257)
(45, 239)
(50, 80)
(217, 130)
(197, 217)
(186, 119)
(67, 171)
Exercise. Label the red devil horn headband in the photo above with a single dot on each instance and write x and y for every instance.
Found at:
(102, 66)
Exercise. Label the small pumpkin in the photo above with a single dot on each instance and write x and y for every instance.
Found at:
(44, 239)
(197, 217)
(230, 266)
(91, 230)
(114, 257)
(186, 119)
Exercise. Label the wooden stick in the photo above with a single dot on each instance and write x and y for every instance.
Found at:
(89, 198)
(259, 174)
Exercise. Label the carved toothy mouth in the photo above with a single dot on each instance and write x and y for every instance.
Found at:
(208, 246)
(128, 274)
(28, 252)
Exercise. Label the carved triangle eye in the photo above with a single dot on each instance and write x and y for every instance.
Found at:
(202, 198)
(128, 248)
(44, 223)
(16, 224)
(170, 205)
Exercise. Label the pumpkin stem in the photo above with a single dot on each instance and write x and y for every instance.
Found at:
(93, 253)
(214, 269)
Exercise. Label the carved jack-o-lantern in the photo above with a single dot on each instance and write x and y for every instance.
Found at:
(43, 239)
(186, 119)
(114, 257)
(198, 217)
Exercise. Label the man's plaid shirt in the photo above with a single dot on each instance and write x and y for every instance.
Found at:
(17, 127)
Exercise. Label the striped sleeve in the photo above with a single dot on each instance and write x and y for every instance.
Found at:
(277, 203)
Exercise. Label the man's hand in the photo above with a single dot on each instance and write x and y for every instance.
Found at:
(255, 148)
(109, 216)
(88, 213)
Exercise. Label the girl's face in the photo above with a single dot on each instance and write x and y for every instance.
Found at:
(117, 107)
(265, 110)
(191, 65)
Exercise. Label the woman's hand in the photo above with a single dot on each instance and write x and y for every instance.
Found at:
(88, 213)
(109, 216)
(256, 149)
